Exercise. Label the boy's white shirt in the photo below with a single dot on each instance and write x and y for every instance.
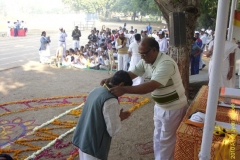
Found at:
(106, 62)
(115, 54)
(111, 111)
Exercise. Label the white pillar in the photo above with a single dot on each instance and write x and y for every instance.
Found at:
(213, 93)
(239, 76)
(230, 25)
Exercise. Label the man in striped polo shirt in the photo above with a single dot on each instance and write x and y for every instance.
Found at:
(167, 91)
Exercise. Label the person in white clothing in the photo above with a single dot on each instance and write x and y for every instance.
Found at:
(121, 45)
(67, 59)
(105, 65)
(130, 37)
(62, 39)
(209, 31)
(76, 34)
(44, 51)
(209, 51)
(100, 120)
(81, 62)
(228, 76)
(9, 27)
(154, 35)
(163, 43)
(204, 38)
(135, 58)
(144, 33)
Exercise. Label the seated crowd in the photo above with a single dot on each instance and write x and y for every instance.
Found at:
(101, 49)
(91, 56)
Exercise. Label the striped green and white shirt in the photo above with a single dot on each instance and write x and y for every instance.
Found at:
(171, 93)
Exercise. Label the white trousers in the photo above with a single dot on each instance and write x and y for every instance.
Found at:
(44, 55)
(166, 123)
(76, 44)
(79, 66)
(224, 82)
(201, 62)
(63, 44)
(122, 61)
(104, 67)
(84, 156)
(9, 32)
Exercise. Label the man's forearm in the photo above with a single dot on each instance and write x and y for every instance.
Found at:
(140, 89)
(231, 59)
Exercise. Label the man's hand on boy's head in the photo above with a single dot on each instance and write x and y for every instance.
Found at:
(124, 114)
(105, 81)
(118, 91)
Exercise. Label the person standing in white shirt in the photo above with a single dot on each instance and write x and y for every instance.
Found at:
(154, 35)
(130, 37)
(209, 31)
(163, 43)
(203, 37)
(62, 39)
(135, 58)
(105, 65)
(9, 27)
(44, 51)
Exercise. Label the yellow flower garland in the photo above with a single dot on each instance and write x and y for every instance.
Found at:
(44, 134)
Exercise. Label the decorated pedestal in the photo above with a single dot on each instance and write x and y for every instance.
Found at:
(189, 138)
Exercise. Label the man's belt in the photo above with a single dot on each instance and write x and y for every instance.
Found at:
(62, 41)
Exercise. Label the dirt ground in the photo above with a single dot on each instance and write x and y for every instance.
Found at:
(34, 80)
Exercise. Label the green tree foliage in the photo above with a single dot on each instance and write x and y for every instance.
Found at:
(208, 14)
(106, 6)
(89, 6)
(143, 6)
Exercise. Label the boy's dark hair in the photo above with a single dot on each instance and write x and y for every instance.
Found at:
(6, 156)
(137, 37)
(71, 50)
(114, 49)
(104, 47)
(43, 32)
(95, 53)
(121, 76)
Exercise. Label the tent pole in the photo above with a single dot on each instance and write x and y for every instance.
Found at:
(230, 25)
(214, 85)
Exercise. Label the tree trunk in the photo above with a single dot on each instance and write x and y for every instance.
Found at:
(181, 54)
